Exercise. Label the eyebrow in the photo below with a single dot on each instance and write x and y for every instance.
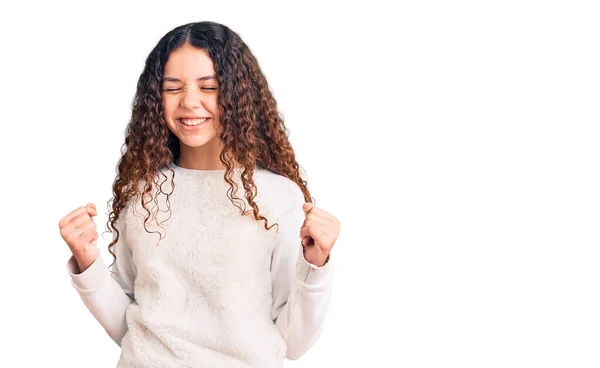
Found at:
(171, 79)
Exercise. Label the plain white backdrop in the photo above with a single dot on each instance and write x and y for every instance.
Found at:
(458, 143)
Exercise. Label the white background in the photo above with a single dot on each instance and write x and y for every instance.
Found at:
(458, 143)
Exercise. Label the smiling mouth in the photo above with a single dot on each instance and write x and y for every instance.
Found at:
(192, 122)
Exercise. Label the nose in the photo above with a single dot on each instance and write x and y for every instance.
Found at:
(191, 99)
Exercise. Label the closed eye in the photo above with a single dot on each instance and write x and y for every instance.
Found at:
(178, 89)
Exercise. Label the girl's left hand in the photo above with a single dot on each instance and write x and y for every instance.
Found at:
(319, 232)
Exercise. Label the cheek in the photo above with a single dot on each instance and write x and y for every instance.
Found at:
(168, 109)
(214, 107)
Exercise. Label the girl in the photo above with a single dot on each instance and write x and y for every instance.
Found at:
(198, 279)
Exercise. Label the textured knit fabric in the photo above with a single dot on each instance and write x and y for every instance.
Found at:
(218, 290)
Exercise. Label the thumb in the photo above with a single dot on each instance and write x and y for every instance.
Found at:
(307, 207)
(91, 209)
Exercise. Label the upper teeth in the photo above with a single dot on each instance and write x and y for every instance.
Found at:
(193, 121)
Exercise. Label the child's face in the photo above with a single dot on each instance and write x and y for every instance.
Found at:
(190, 90)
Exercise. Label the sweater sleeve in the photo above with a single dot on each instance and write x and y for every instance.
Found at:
(301, 291)
(108, 295)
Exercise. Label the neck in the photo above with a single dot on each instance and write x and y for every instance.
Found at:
(205, 157)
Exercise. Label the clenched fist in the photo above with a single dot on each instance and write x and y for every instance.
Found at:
(319, 232)
(79, 232)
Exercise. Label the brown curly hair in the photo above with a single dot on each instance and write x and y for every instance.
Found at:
(254, 133)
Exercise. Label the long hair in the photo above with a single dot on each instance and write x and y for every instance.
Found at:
(254, 133)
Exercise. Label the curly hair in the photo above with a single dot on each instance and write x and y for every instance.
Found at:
(254, 133)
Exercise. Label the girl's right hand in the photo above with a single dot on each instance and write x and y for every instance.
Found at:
(78, 230)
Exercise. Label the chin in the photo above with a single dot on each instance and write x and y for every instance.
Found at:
(196, 141)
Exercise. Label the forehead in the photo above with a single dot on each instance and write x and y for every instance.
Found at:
(188, 62)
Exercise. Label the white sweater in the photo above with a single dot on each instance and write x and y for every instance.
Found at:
(219, 290)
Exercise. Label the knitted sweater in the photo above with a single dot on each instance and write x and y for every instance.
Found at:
(218, 290)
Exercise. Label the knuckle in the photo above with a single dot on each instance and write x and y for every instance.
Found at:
(69, 239)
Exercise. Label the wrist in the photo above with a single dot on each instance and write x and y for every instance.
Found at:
(318, 261)
(85, 260)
